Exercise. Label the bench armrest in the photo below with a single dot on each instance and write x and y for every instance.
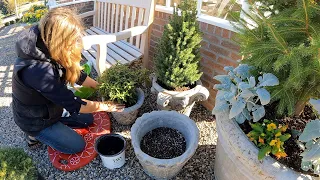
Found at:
(102, 40)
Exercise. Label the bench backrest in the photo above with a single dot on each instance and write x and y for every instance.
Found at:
(117, 15)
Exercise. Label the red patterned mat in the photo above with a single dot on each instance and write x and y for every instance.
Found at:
(69, 162)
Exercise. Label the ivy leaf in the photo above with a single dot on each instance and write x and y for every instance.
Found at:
(263, 152)
(311, 131)
(263, 95)
(268, 79)
(237, 108)
(258, 113)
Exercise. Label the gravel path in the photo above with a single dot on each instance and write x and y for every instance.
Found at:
(200, 166)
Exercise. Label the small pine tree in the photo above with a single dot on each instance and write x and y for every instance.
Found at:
(178, 55)
(287, 44)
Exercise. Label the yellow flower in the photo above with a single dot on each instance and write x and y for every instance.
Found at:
(261, 140)
(278, 134)
(38, 16)
(280, 155)
(271, 126)
(273, 142)
(278, 143)
(284, 128)
(251, 139)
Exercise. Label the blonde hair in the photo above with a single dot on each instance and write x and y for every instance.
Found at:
(61, 31)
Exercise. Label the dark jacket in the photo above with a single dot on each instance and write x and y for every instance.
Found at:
(39, 88)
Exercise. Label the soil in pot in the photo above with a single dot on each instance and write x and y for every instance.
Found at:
(293, 160)
(184, 88)
(163, 143)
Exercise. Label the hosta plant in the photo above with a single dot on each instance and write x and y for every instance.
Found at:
(269, 137)
(243, 94)
(311, 137)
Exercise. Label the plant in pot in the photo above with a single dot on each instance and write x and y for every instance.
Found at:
(177, 62)
(33, 15)
(16, 164)
(120, 84)
(164, 141)
(278, 37)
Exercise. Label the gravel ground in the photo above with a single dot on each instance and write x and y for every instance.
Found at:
(200, 166)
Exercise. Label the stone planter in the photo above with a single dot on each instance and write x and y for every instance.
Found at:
(181, 101)
(129, 114)
(237, 157)
(164, 168)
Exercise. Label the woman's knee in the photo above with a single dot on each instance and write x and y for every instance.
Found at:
(77, 145)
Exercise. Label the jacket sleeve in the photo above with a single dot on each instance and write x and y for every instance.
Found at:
(42, 78)
(82, 78)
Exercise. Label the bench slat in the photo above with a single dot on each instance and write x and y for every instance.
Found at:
(126, 56)
(131, 49)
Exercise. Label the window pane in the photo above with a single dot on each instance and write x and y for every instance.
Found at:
(161, 2)
(225, 9)
(175, 1)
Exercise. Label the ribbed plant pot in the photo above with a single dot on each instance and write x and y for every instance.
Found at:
(129, 114)
(164, 168)
(181, 101)
(27, 26)
(237, 157)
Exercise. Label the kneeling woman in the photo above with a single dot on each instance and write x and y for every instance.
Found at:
(49, 57)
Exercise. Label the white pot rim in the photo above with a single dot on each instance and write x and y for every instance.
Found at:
(245, 152)
(168, 162)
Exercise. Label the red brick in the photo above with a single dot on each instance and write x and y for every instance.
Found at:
(218, 31)
(156, 26)
(211, 28)
(204, 44)
(227, 62)
(219, 50)
(209, 54)
(212, 39)
(226, 33)
(230, 45)
(153, 43)
(155, 38)
(156, 33)
(207, 70)
(203, 26)
(207, 105)
(235, 56)
(205, 83)
(207, 77)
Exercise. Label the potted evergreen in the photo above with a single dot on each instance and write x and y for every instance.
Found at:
(258, 105)
(120, 84)
(177, 74)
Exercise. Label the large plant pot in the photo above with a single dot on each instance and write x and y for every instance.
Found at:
(164, 168)
(129, 114)
(181, 101)
(237, 157)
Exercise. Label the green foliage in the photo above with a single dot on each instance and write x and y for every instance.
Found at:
(12, 22)
(16, 164)
(178, 56)
(119, 83)
(1, 17)
(84, 92)
(7, 23)
(285, 44)
(34, 14)
(87, 68)
(17, 20)
(269, 137)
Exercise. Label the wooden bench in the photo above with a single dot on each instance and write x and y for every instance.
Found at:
(120, 32)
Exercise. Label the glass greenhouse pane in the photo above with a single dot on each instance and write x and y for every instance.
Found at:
(224, 9)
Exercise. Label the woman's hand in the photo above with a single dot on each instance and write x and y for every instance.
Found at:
(111, 107)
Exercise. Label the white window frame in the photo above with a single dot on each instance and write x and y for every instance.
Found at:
(225, 24)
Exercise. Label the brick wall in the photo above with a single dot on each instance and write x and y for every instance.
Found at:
(218, 50)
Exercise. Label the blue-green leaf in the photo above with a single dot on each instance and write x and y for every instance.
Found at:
(237, 108)
(258, 113)
(311, 131)
(243, 86)
(315, 104)
(306, 165)
(240, 118)
(313, 153)
(252, 81)
(269, 79)
(263, 95)
(246, 94)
